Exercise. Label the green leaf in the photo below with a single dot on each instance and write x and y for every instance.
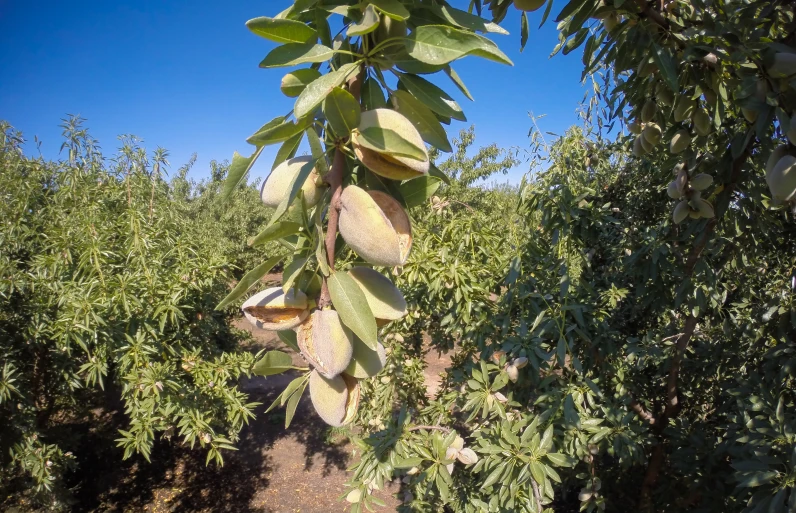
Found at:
(352, 306)
(280, 30)
(524, 31)
(315, 93)
(272, 134)
(409, 462)
(369, 23)
(537, 471)
(342, 111)
(441, 44)
(274, 362)
(546, 442)
(372, 95)
(435, 172)
(288, 149)
(392, 8)
(432, 96)
(422, 118)
(571, 8)
(248, 280)
(237, 172)
(756, 479)
(559, 460)
(292, 404)
(296, 81)
(417, 190)
(316, 148)
(288, 337)
(293, 54)
(275, 231)
(458, 81)
(667, 65)
(494, 475)
(384, 140)
(466, 20)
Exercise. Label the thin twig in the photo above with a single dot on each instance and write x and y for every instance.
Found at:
(335, 180)
(653, 14)
(537, 497)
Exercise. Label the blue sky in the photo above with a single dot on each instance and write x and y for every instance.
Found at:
(183, 75)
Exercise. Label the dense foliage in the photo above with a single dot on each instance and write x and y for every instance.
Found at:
(616, 351)
(105, 284)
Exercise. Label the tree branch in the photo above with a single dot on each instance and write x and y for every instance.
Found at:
(537, 497)
(642, 412)
(335, 180)
(652, 14)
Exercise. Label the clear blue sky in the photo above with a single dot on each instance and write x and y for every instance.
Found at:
(184, 75)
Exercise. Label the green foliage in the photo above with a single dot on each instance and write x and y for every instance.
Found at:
(106, 284)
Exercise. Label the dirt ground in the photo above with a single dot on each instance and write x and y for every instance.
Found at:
(298, 470)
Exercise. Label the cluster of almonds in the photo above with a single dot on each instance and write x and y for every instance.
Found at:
(513, 368)
(688, 189)
(374, 225)
(686, 110)
(591, 492)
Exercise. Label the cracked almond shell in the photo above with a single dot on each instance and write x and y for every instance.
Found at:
(274, 310)
(375, 226)
(336, 400)
(366, 362)
(386, 302)
(325, 342)
(277, 186)
(383, 164)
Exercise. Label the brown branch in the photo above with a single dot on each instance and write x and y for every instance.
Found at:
(642, 412)
(537, 497)
(653, 14)
(672, 408)
(335, 180)
(672, 403)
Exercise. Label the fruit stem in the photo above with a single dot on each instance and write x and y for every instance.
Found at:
(335, 180)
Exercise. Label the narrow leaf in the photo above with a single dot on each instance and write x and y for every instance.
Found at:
(352, 306)
(432, 96)
(281, 30)
(248, 280)
(417, 190)
(342, 111)
(274, 362)
(422, 118)
(237, 172)
(315, 93)
(275, 231)
(384, 140)
(293, 54)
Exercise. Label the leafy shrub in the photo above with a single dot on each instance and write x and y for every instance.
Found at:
(106, 284)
